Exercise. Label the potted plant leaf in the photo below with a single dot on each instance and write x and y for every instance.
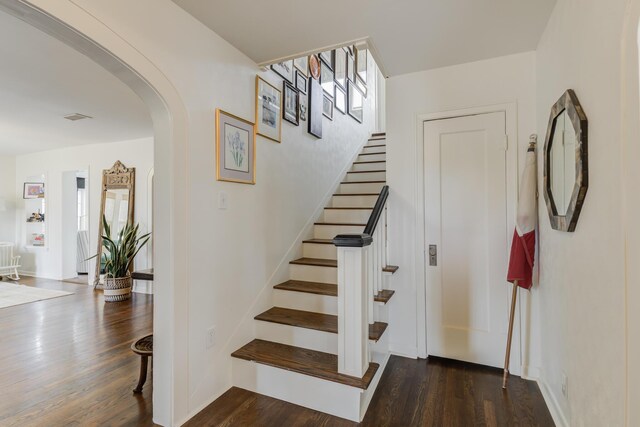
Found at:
(118, 255)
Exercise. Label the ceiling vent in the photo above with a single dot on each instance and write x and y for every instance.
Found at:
(77, 116)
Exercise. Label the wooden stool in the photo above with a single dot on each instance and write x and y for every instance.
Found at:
(143, 347)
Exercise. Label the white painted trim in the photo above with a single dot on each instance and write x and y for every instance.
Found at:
(510, 110)
(408, 352)
(559, 417)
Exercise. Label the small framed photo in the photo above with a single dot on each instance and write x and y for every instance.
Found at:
(291, 106)
(235, 149)
(340, 67)
(302, 65)
(361, 85)
(302, 101)
(314, 114)
(327, 107)
(340, 100)
(361, 64)
(326, 78)
(284, 70)
(301, 82)
(33, 190)
(268, 106)
(351, 68)
(355, 102)
(327, 57)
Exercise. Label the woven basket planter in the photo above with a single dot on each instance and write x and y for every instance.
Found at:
(117, 289)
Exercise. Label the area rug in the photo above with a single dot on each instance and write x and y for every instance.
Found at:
(13, 294)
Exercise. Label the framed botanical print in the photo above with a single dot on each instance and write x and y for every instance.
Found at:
(284, 70)
(340, 67)
(268, 106)
(302, 64)
(314, 120)
(327, 107)
(326, 78)
(301, 82)
(355, 103)
(351, 68)
(314, 66)
(361, 64)
(327, 57)
(290, 97)
(235, 149)
(33, 190)
(302, 101)
(340, 100)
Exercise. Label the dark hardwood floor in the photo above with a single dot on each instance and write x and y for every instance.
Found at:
(433, 392)
(67, 361)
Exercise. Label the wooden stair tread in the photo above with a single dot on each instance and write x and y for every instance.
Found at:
(384, 295)
(347, 208)
(316, 288)
(367, 171)
(390, 269)
(370, 161)
(303, 361)
(357, 194)
(319, 241)
(379, 145)
(340, 224)
(363, 182)
(318, 262)
(371, 154)
(311, 320)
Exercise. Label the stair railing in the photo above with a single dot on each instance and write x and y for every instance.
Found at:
(361, 259)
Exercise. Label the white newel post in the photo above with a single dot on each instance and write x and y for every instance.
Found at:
(353, 309)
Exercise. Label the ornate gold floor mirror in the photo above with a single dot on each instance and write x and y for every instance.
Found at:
(117, 207)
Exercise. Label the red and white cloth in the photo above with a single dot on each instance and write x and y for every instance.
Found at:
(524, 237)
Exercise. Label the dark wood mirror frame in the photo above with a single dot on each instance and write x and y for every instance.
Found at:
(118, 177)
(568, 102)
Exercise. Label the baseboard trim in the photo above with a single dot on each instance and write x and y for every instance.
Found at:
(409, 352)
(559, 417)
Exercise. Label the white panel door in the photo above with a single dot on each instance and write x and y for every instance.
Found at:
(466, 219)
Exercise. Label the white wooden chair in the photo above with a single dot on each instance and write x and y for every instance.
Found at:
(9, 264)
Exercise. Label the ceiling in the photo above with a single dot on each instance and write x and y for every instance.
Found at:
(406, 35)
(42, 80)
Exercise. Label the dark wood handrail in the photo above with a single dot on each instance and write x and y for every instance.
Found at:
(365, 239)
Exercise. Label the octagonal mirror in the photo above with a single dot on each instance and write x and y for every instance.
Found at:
(565, 163)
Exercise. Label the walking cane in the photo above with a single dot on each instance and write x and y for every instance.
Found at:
(508, 355)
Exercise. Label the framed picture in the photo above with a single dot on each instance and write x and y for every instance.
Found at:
(327, 57)
(340, 100)
(235, 149)
(302, 101)
(302, 65)
(33, 190)
(268, 106)
(301, 82)
(340, 67)
(314, 66)
(361, 64)
(355, 103)
(314, 120)
(326, 78)
(290, 109)
(361, 85)
(284, 70)
(351, 68)
(327, 107)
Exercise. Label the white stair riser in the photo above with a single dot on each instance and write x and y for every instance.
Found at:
(376, 141)
(358, 216)
(324, 396)
(316, 250)
(373, 149)
(325, 342)
(369, 166)
(371, 157)
(305, 301)
(354, 201)
(367, 176)
(331, 231)
(361, 187)
(312, 273)
(381, 313)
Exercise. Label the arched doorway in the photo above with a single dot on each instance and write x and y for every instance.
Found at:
(77, 28)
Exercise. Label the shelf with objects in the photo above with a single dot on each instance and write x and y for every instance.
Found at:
(35, 212)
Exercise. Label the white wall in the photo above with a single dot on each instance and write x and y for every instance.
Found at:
(54, 165)
(582, 295)
(7, 192)
(234, 254)
(509, 79)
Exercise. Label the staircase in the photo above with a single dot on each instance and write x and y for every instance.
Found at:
(309, 344)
